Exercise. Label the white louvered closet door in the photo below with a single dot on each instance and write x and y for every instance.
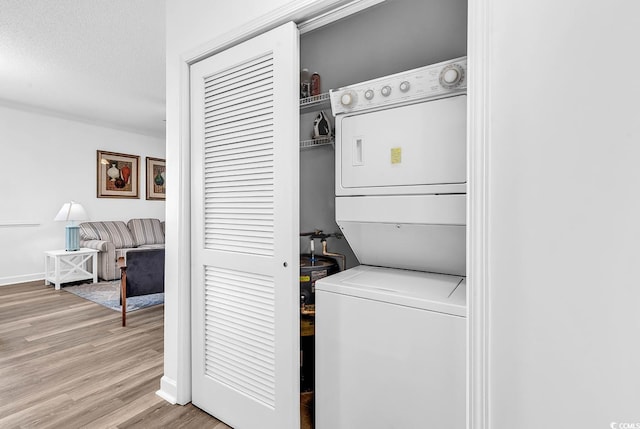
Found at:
(245, 175)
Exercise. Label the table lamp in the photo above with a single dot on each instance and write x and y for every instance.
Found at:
(72, 212)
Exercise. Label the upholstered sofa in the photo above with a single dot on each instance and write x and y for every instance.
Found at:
(114, 238)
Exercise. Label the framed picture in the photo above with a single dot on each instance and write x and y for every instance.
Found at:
(156, 179)
(118, 175)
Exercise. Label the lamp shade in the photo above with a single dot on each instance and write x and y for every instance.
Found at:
(71, 211)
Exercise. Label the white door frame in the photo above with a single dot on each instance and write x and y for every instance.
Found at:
(478, 138)
(179, 390)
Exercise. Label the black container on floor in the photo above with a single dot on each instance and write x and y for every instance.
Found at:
(312, 270)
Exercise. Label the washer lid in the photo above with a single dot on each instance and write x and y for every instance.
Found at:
(428, 291)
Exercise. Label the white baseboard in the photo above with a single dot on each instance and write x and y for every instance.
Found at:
(168, 390)
(21, 279)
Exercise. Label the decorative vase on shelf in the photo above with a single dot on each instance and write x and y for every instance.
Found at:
(113, 172)
(126, 173)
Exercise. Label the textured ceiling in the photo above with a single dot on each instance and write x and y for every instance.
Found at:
(100, 61)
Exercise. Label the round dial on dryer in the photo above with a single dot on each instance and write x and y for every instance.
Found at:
(368, 94)
(386, 90)
(451, 76)
(348, 99)
(404, 86)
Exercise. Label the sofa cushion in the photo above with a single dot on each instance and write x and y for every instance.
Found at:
(151, 246)
(146, 231)
(113, 231)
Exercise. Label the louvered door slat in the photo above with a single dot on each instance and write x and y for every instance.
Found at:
(244, 83)
(229, 98)
(254, 110)
(252, 369)
(245, 223)
(241, 340)
(242, 219)
(247, 169)
(242, 102)
(237, 331)
(238, 239)
(246, 129)
(234, 74)
(240, 382)
(238, 299)
(238, 309)
(249, 98)
(258, 246)
(241, 120)
(257, 229)
(242, 156)
(248, 178)
(256, 301)
(231, 166)
(226, 199)
(245, 133)
(242, 344)
(248, 139)
(237, 143)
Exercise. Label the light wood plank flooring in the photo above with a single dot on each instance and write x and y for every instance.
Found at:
(66, 362)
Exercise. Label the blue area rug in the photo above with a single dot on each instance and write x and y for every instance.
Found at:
(108, 294)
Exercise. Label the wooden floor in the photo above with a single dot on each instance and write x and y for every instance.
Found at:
(66, 362)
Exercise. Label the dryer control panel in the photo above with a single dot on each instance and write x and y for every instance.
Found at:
(429, 82)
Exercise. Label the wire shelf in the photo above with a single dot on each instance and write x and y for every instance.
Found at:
(315, 102)
(316, 142)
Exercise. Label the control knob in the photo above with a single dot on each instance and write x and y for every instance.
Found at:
(368, 94)
(348, 98)
(386, 90)
(404, 86)
(451, 76)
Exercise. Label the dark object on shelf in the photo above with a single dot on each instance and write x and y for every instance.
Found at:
(305, 83)
(321, 126)
(315, 84)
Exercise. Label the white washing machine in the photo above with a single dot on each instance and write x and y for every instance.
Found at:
(390, 350)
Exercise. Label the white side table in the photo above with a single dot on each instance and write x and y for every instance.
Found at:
(61, 266)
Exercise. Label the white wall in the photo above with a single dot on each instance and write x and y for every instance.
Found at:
(564, 210)
(47, 161)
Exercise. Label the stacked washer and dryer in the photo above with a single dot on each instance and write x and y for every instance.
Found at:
(391, 333)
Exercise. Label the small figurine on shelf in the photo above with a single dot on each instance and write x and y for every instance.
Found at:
(305, 83)
(321, 127)
(315, 84)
